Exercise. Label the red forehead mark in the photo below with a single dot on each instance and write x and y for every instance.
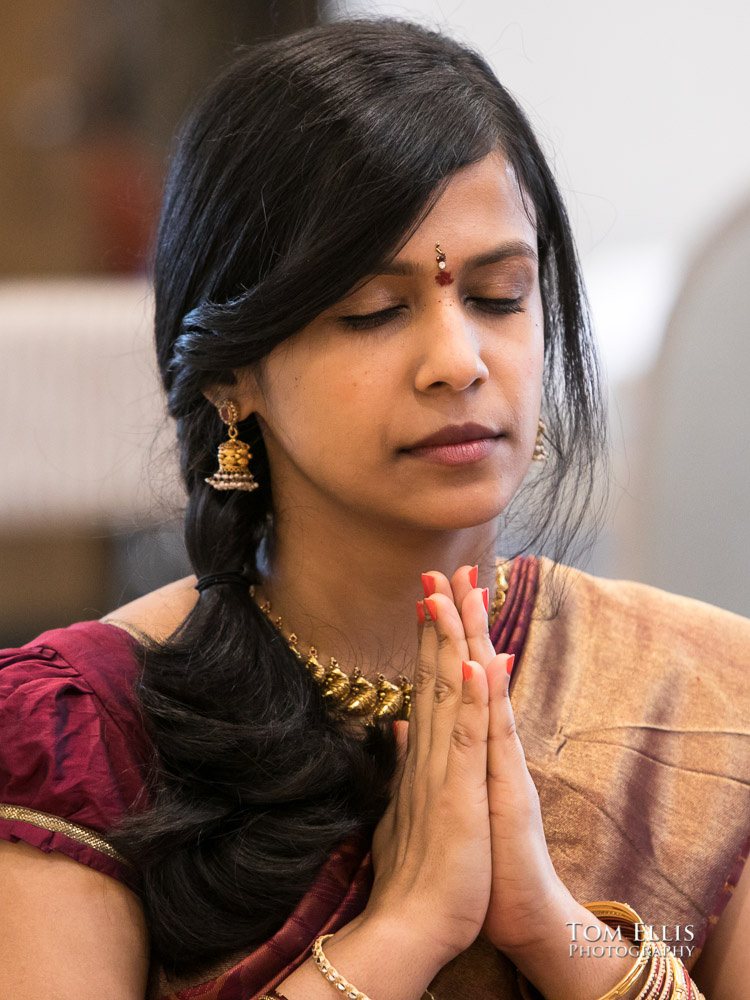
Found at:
(444, 278)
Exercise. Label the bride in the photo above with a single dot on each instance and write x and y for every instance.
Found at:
(371, 747)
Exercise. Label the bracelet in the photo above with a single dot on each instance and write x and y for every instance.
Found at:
(334, 977)
(666, 977)
(618, 914)
(331, 974)
(655, 981)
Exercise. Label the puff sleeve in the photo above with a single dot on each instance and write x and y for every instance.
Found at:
(73, 750)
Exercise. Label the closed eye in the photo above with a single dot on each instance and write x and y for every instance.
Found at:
(499, 306)
(368, 321)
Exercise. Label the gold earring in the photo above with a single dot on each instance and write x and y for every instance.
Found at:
(540, 452)
(234, 456)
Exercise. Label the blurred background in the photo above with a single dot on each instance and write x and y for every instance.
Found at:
(640, 110)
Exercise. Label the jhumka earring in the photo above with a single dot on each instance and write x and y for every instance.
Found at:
(443, 277)
(540, 452)
(234, 456)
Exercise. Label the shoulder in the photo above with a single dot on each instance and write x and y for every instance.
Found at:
(159, 613)
(599, 613)
(633, 663)
(74, 748)
(632, 706)
(87, 660)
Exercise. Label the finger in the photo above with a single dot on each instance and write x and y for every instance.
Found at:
(466, 766)
(450, 650)
(476, 625)
(398, 793)
(463, 581)
(401, 733)
(420, 714)
(397, 781)
(423, 681)
(505, 757)
(435, 582)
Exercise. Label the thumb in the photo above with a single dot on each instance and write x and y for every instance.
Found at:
(401, 732)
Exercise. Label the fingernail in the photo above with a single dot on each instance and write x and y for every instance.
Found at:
(473, 575)
(511, 661)
(486, 598)
(420, 613)
(395, 731)
(466, 669)
(431, 608)
(428, 584)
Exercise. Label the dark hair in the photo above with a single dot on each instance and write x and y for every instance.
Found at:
(308, 162)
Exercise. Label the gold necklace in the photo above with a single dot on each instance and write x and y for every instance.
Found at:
(354, 695)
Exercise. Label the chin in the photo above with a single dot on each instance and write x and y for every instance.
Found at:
(457, 509)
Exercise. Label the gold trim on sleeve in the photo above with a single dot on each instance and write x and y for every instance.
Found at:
(46, 821)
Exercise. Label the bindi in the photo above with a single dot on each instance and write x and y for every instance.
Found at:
(443, 277)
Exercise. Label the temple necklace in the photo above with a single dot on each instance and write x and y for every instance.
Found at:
(354, 695)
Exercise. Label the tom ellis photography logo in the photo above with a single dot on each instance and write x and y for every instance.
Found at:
(592, 940)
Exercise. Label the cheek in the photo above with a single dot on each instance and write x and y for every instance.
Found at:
(318, 413)
(520, 370)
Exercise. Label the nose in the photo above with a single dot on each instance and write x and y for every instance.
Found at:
(449, 348)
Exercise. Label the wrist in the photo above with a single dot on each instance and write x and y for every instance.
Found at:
(535, 921)
(410, 937)
(376, 954)
(574, 955)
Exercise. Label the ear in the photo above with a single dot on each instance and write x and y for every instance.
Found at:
(244, 393)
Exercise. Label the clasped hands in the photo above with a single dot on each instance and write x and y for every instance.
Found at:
(525, 888)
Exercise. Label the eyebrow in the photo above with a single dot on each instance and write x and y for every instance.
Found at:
(513, 248)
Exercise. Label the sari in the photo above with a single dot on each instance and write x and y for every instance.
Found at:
(631, 706)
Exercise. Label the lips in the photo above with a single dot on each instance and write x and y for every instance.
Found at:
(455, 434)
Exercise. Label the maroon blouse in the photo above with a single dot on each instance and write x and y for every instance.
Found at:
(73, 749)
(73, 760)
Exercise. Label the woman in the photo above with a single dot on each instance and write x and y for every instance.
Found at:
(364, 272)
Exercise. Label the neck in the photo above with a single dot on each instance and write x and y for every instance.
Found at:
(349, 586)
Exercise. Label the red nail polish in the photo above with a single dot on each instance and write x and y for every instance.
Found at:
(428, 584)
(511, 661)
(486, 598)
(466, 670)
(395, 732)
(473, 575)
(431, 607)
(420, 613)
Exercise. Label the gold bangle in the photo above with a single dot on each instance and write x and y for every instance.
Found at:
(657, 973)
(681, 987)
(336, 979)
(620, 913)
(662, 983)
(684, 985)
(331, 974)
(608, 909)
(666, 990)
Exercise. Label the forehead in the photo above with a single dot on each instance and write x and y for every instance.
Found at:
(481, 203)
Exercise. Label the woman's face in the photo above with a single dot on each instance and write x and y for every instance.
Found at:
(344, 403)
